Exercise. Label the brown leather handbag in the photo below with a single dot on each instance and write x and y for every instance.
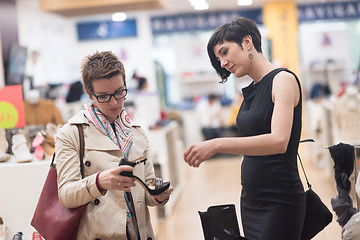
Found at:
(51, 219)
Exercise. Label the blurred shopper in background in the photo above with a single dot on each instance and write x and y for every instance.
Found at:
(210, 115)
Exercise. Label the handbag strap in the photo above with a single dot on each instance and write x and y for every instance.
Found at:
(302, 166)
(82, 149)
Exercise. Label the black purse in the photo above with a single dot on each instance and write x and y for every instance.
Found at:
(220, 223)
(317, 215)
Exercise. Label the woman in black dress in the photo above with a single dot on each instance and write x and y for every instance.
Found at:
(269, 123)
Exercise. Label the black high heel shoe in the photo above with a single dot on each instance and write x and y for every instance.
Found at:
(159, 186)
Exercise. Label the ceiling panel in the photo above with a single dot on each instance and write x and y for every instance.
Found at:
(88, 7)
(176, 6)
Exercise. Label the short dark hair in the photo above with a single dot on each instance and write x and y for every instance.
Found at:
(234, 31)
(101, 65)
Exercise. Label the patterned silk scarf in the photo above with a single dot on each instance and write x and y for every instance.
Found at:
(120, 133)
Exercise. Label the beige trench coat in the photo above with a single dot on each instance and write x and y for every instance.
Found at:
(105, 214)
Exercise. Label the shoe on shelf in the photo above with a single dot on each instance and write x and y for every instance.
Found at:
(3, 146)
(4, 157)
(18, 236)
(3, 230)
(48, 145)
(3, 141)
(20, 149)
(36, 236)
(51, 129)
(157, 184)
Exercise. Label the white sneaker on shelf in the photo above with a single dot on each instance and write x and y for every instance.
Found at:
(3, 146)
(3, 141)
(20, 148)
(4, 157)
(3, 230)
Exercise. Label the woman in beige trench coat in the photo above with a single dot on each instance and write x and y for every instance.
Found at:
(117, 207)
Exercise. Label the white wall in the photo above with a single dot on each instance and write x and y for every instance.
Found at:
(61, 53)
(314, 52)
(135, 52)
(52, 36)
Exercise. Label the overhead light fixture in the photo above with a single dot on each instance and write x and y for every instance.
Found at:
(244, 2)
(119, 17)
(199, 4)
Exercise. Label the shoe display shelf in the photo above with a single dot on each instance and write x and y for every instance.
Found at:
(21, 185)
(166, 148)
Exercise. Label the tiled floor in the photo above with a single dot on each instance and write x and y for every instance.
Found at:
(218, 182)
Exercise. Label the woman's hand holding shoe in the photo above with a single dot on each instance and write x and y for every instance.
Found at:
(112, 180)
(164, 195)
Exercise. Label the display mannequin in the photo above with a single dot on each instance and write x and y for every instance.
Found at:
(40, 111)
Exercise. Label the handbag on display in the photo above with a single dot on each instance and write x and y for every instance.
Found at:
(51, 219)
(220, 223)
(317, 215)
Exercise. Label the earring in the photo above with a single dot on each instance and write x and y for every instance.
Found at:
(250, 55)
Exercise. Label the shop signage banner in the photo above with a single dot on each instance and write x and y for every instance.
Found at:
(325, 11)
(199, 21)
(11, 107)
(212, 20)
(107, 29)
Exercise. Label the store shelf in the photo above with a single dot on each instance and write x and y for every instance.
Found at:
(200, 78)
(166, 148)
(21, 185)
(321, 67)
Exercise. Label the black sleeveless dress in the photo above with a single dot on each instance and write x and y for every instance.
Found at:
(272, 197)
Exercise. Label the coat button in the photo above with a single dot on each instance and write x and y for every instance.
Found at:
(87, 163)
(96, 202)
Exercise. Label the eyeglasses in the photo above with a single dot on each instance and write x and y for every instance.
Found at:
(106, 97)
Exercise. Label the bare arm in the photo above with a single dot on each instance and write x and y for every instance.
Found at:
(285, 97)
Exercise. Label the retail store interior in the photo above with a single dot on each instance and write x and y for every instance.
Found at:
(163, 42)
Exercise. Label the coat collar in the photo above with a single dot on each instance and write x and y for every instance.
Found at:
(99, 141)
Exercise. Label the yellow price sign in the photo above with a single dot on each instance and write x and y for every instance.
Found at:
(8, 115)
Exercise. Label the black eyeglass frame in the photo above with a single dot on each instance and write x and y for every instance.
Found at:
(109, 95)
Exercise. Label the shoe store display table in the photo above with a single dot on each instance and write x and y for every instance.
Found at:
(20, 187)
(21, 183)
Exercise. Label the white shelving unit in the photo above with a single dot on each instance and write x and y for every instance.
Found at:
(331, 73)
(20, 187)
(167, 148)
(200, 84)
